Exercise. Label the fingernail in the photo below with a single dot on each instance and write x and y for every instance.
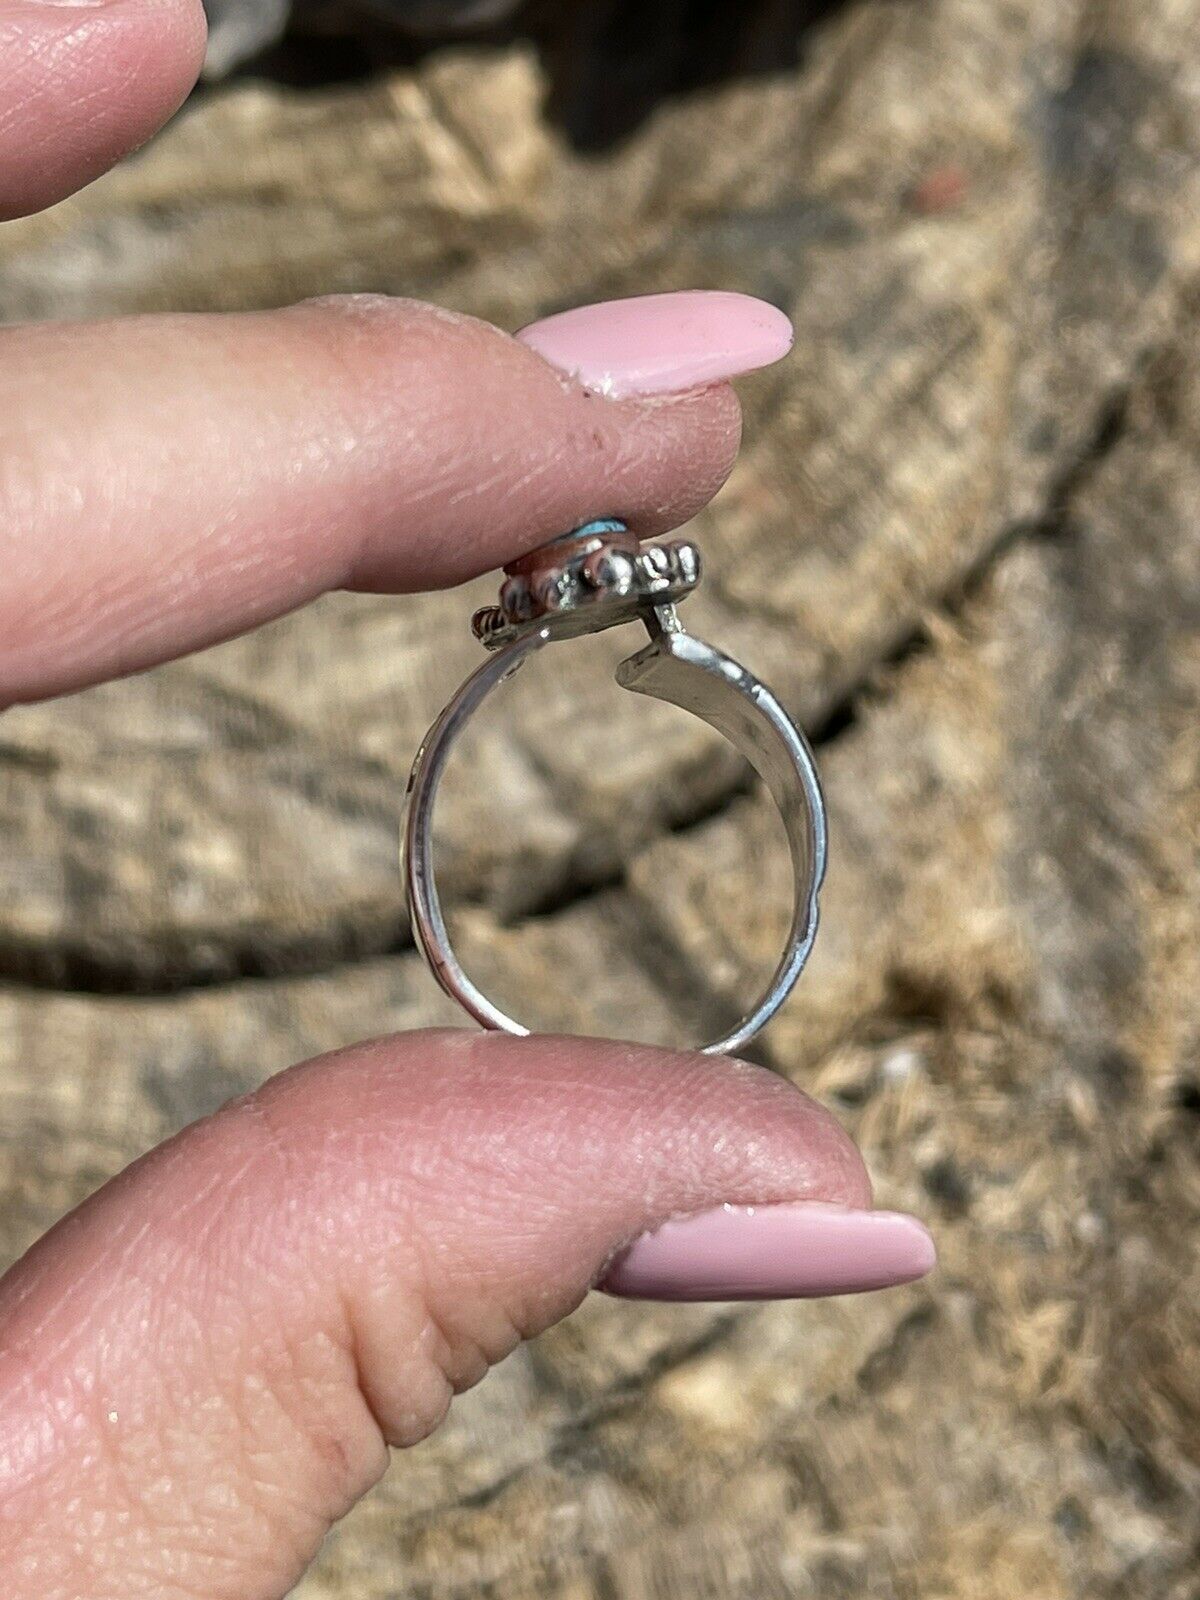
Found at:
(777, 1252)
(662, 343)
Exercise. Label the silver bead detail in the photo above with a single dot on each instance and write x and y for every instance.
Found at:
(548, 589)
(687, 561)
(515, 600)
(609, 570)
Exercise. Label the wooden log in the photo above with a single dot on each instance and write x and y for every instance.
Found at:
(962, 543)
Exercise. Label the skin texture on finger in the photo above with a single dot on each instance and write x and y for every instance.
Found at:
(206, 1359)
(84, 82)
(166, 482)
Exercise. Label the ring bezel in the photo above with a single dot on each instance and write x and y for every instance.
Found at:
(598, 577)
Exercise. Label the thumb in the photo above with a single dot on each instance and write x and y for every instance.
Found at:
(207, 1360)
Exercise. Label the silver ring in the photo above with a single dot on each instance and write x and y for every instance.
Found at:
(598, 577)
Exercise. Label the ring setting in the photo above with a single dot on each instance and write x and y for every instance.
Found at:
(596, 577)
(599, 576)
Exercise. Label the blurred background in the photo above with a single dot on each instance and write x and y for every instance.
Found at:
(963, 543)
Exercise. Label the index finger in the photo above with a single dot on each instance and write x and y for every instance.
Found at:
(167, 482)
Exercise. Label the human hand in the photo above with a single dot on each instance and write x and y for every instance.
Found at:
(202, 1367)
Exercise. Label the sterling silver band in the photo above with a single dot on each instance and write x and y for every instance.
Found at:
(675, 667)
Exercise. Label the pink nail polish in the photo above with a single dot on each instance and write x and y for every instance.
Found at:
(662, 343)
(777, 1252)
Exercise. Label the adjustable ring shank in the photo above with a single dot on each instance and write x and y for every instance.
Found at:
(685, 672)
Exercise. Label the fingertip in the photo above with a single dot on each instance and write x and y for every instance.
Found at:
(711, 421)
(151, 53)
(189, 26)
(94, 81)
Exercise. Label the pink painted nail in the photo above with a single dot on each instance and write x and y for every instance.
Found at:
(662, 343)
(777, 1252)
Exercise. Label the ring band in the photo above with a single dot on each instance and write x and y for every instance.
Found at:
(595, 578)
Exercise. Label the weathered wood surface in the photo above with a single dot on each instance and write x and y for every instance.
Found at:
(964, 544)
